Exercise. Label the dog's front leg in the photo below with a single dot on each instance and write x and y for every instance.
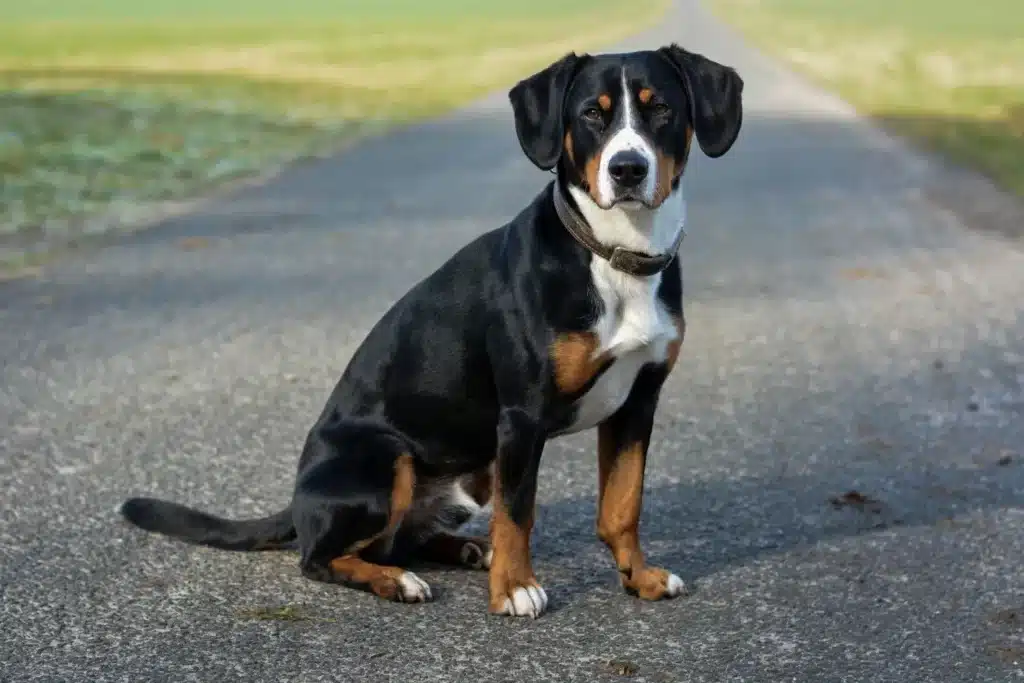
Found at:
(623, 440)
(513, 586)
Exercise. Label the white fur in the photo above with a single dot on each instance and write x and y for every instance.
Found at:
(634, 326)
(435, 504)
(528, 601)
(626, 139)
(413, 589)
(675, 587)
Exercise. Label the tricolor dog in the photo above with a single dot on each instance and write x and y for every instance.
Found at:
(567, 318)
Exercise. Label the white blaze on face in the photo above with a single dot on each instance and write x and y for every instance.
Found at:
(626, 138)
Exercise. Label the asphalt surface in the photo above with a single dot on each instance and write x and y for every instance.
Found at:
(847, 333)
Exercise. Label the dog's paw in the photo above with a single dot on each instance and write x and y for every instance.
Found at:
(412, 588)
(652, 583)
(521, 601)
(476, 554)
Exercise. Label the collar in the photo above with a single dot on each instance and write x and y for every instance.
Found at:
(635, 263)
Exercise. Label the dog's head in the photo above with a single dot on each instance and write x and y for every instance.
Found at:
(619, 126)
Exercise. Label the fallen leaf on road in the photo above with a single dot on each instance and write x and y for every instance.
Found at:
(1008, 654)
(194, 243)
(1013, 618)
(862, 273)
(621, 667)
(857, 500)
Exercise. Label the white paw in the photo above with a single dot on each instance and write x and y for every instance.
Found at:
(526, 601)
(412, 588)
(674, 586)
(488, 557)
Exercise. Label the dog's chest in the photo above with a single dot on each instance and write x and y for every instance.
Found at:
(634, 329)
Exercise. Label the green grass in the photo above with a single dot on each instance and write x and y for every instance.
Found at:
(947, 74)
(109, 105)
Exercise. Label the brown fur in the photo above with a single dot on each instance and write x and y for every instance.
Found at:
(590, 175)
(605, 102)
(402, 494)
(645, 95)
(381, 580)
(574, 361)
(669, 170)
(511, 567)
(621, 481)
(478, 486)
(568, 147)
(666, 176)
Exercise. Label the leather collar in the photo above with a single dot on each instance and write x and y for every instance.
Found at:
(635, 263)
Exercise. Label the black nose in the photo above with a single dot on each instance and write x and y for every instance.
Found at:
(628, 168)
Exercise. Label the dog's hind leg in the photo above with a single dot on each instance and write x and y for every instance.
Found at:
(466, 497)
(456, 550)
(349, 501)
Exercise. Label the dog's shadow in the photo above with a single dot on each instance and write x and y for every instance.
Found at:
(700, 528)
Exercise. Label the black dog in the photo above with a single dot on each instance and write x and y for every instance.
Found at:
(568, 317)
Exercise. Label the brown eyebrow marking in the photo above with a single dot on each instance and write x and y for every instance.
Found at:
(605, 102)
(645, 95)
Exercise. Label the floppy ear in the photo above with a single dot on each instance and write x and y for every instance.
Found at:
(716, 102)
(537, 105)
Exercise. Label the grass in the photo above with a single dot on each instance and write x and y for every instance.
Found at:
(947, 74)
(107, 106)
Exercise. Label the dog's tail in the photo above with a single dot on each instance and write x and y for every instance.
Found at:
(177, 521)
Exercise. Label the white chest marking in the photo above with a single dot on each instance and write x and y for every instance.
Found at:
(634, 328)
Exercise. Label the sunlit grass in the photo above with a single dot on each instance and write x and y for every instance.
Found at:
(945, 73)
(107, 104)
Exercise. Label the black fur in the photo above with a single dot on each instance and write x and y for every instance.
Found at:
(716, 93)
(458, 373)
(537, 106)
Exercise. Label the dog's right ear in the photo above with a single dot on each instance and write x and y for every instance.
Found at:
(537, 105)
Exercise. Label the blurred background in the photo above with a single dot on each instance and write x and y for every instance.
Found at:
(107, 106)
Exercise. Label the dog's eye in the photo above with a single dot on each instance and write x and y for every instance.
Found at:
(592, 114)
(660, 108)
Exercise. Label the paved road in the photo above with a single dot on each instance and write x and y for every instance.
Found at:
(847, 333)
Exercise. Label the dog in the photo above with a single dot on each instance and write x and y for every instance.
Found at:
(567, 318)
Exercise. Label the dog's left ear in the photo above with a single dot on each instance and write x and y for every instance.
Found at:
(716, 98)
(537, 105)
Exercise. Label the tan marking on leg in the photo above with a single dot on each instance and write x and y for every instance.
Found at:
(605, 102)
(403, 489)
(574, 359)
(402, 493)
(382, 580)
(621, 481)
(511, 567)
(645, 95)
